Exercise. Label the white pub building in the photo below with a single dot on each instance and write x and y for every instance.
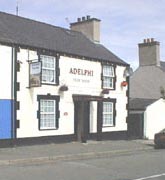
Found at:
(59, 84)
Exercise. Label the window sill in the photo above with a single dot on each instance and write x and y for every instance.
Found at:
(49, 84)
(108, 88)
(108, 126)
(49, 129)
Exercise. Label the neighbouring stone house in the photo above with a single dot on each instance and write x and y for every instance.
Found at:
(146, 105)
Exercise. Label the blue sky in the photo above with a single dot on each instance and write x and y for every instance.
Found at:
(124, 23)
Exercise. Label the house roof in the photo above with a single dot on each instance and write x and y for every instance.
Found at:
(146, 82)
(25, 32)
(139, 103)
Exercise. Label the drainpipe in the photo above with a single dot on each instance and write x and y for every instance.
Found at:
(14, 92)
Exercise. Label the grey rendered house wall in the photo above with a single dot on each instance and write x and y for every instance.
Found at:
(146, 82)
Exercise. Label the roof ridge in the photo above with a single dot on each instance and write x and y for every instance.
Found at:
(28, 32)
(37, 21)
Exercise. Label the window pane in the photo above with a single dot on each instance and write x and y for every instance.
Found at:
(47, 114)
(48, 69)
(108, 114)
(107, 119)
(108, 76)
(108, 71)
(107, 82)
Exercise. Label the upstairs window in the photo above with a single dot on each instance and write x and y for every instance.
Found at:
(108, 77)
(48, 69)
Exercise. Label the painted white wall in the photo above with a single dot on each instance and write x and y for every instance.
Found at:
(121, 100)
(154, 118)
(5, 70)
(93, 117)
(77, 84)
(80, 84)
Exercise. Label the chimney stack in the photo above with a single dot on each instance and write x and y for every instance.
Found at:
(149, 52)
(90, 27)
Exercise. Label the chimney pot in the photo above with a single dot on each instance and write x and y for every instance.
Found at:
(152, 39)
(78, 19)
(148, 40)
(83, 18)
(88, 17)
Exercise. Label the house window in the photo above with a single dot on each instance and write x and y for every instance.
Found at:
(108, 114)
(48, 69)
(48, 112)
(108, 77)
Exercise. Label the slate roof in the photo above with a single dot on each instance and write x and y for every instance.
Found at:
(162, 65)
(140, 104)
(26, 32)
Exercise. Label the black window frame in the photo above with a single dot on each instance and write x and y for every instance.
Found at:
(48, 97)
(114, 79)
(114, 111)
(57, 69)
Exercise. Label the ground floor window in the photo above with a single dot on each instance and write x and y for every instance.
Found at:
(108, 113)
(48, 112)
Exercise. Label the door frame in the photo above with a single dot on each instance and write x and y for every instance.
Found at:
(85, 132)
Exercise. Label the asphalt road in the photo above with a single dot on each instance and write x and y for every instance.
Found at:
(145, 165)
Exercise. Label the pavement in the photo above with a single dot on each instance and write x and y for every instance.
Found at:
(47, 153)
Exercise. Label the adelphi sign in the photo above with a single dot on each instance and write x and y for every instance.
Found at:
(83, 72)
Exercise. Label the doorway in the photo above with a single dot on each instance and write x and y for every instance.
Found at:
(82, 111)
(136, 126)
(82, 118)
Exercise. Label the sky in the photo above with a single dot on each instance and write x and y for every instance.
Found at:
(124, 23)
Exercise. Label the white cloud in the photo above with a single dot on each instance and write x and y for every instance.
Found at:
(124, 24)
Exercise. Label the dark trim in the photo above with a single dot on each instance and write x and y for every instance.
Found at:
(12, 94)
(37, 140)
(86, 98)
(100, 100)
(46, 52)
(136, 109)
(18, 67)
(16, 104)
(49, 97)
(99, 120)
(18, 124)
(18, 86)
(81, 120)
(115, 135)
(128, 97)
(57, 69)
(55, 84)
(61, 53)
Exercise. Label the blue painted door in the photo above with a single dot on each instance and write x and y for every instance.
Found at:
(5, 119)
